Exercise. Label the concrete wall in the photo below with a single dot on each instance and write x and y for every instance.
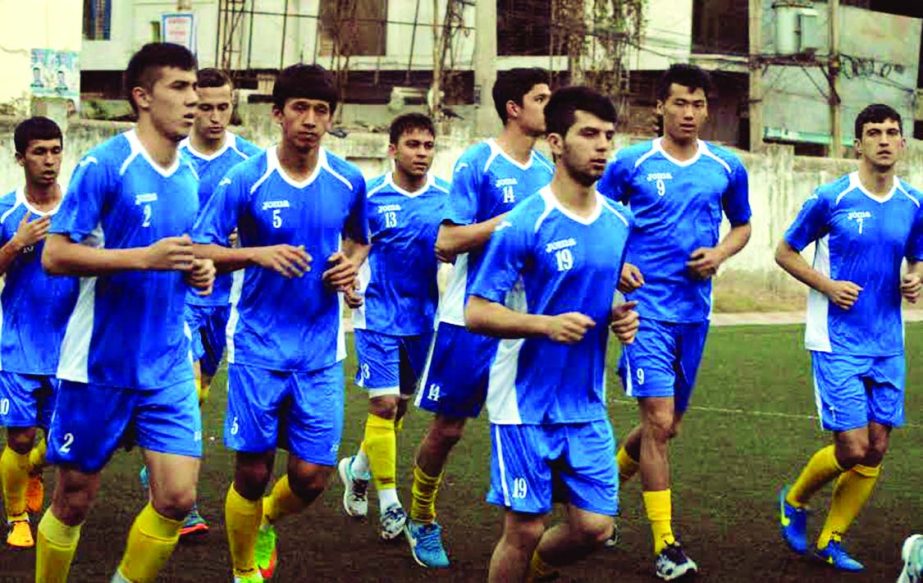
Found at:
(667, 35)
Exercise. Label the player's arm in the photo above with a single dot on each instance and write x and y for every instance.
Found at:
(62, 256)
(494, 319)
(27, 233)
(342, 273)
(460, 232)
(453, 240)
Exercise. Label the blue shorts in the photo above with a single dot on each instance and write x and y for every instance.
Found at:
(454, 381)
(663, 361)
(209, 338)
(26, 400)
(390, 365)
(852, 391)
(90, 422)
(533, 466)
(298, 411)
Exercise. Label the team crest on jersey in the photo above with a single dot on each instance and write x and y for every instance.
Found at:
(506, 185)
(660, 179)
(859, 217)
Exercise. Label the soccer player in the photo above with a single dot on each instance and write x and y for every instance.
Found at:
(300, 212)
(550, 433)
(863, 225)
(394, 326)
(677, 187)
(34, 308)
(124, 369)
(490, 178)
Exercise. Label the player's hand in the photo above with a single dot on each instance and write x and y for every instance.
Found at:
(29, 233)
(569, 328)
(171, 253)
(625, 322)
(352, 297)
(704, 262)
(631, 278)
(911, 285)
(843, 293)
(286, 260)
(202, 276)
(443, 256)
(342, 272)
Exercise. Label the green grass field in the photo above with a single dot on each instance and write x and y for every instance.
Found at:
(750, 429)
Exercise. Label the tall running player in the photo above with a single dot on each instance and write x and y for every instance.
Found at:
(394, 326)
(293, 205)
(550, 432)
(34, 308)
(125, 369)
(677, 187)
(863, 226)
(490, 178)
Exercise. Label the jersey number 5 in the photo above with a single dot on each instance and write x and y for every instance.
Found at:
(276, 218)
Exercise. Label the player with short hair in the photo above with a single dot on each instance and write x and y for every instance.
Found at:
(394, 326)
(125, 370)
(34, 308)
(296, 207)
(863, 226)
(561, 253)
(490, 178)
(677, 187)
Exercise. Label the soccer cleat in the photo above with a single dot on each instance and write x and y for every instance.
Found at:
(20, 535)
(426, 544)
(35, 494)
(355, 490)
(793, 522)
(254, 577)
(912, 555)
(614, 538)
(265, 552)
(836, 556)
(672, 563)
(194, 525)
(144, 479)
(392, 522)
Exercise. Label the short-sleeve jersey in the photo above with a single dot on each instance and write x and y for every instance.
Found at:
(677, 208)
(566, 263)
(127, 329)
(398, 280)
(34, 306)
(863, 239)
(211, 168)
(280, 323)
(486, 183)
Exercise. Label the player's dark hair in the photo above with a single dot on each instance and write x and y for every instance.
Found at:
(513, 85)
(877, 113)
(561, 111)
(35, 128)
(304, 82)
(212, 77)
(690, 76)
(407, 123)
(145, 65)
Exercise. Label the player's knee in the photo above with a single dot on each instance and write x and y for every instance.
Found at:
(876, 452)
(21, 440)
(852, 451)
(659, 425)
(308, 482)
(448, 431)
(174, 503)
(384, 407)
(594, 531)
(524, 533)
(251, 479)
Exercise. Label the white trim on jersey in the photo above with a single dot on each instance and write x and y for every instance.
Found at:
(502, 401)
(365, 277)
(900, 187)
(854, 182)
(654, 149)
(611, 207)
(502, 466)
(658, 146)
(817, 333)
(704, 149)
(10, 211)
(73, 364)
(452, 302)
(430, 181)
(817, 400)
(496, 150)
(629, 380)
(237, 284)
(322, 161)
(137, 148)
(273, 164)
(379, 188)
(341, 333)
(552, 201)
(548, 208)
(227, 145)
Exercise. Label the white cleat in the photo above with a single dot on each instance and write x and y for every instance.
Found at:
(392, 522)
(912, 555)
(355, 490)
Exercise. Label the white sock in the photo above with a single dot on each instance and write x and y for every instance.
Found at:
(360, 466)
(387, 498)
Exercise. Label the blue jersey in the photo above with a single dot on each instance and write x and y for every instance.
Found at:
(211, 168)
(863, 239)
(280, 323)
(127, 329)
(34, 306)
(677, 207)
(398, 280)
(566, 263)
(486, 183)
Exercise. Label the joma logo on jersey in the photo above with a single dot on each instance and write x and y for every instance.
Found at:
(562, 244)
(276, 204)
(659, 178)
(388, 208)
(562, 253)
(859, 217)
(506, 185)
(145, 198)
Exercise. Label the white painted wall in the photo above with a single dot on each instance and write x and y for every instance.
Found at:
(667, 37)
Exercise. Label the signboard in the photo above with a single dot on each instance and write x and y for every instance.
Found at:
(56, 74)
(179, 28)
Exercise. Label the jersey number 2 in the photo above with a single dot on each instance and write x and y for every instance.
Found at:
(148, 212)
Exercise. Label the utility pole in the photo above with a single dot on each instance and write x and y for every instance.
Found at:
(836, 121)
(485, 64)
(756, 75)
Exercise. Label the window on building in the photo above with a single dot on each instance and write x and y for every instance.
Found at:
(523, 27)
(97, 18)
(353, 27)
(716, 26)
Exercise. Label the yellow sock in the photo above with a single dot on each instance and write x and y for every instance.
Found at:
(851, 492)
(14, 473)
(380, 445)
(55, 548)
(242, 519)
(660, 513)
(151, 541)
(423, 501)
(628, 466)
(282, 502)
(203, 385)
(37, 455)
(399, 425)
(538, 569)
(821, 468)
